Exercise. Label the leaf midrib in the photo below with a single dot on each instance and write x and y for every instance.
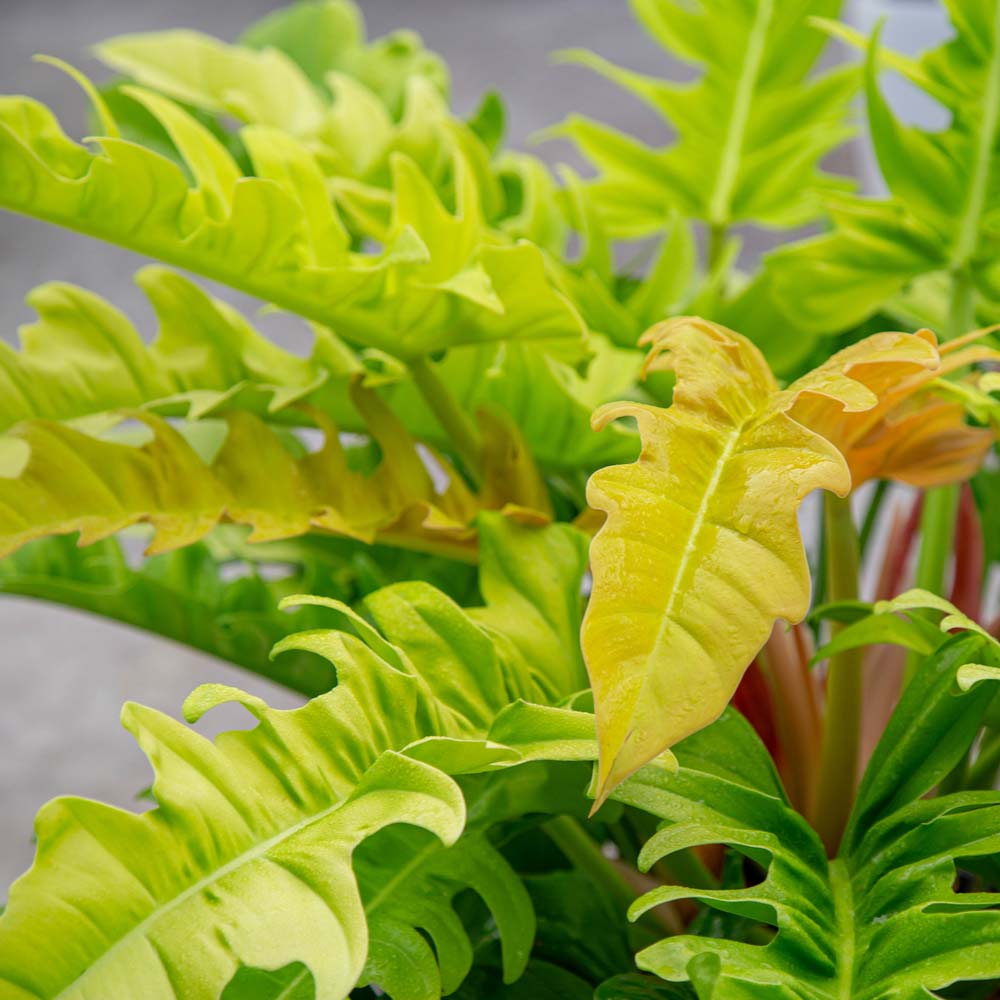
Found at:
(697, 527)
(843, 908)
(152, 919)
(719, 203)
(968, 228)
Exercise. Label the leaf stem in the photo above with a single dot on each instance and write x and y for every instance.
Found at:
(961, 304)
(453, 419)
(872, 513)
(716, 246)
(842, 723)
(937, 535)
(585, 854)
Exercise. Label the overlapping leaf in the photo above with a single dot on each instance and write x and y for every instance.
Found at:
(221, 596)
(914, 433)
(247, 860)
(305, 70)
(82, 360)
(59, 480)
(368, 102)
(706, 513)
(882, 919)
(441, 278)
(324, 36)
(944, 187)
(751, 129)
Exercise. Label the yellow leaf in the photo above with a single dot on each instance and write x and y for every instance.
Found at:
(71, 481)
(700, 551)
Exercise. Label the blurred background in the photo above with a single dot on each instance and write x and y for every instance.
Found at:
(64, 675)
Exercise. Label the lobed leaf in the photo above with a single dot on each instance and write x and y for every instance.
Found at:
(440, 279)
(941, 213)
(82, 360)
(706, 513)
(912, 433)
(254, 856)
(883, 918)
(751, 128)
(70, 481)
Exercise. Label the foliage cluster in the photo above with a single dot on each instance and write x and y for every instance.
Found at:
(584, 718)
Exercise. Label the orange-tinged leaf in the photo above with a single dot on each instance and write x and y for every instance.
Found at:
(908, 433)
(700, 552)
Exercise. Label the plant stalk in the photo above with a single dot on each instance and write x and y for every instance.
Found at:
(716, 245)
(585, 854)
(961, 304)
(937, 535)
(872, 514)
(613, 877)
(455, 422)
(842, 722)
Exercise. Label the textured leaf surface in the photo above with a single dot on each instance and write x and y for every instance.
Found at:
(752, 128)
(707, 512)
(82, 359)
(440, 278)
(944, 186)
(247, 860)
(71, 481)
(881, 920)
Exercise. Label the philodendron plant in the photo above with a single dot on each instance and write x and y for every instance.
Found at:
(582, 717)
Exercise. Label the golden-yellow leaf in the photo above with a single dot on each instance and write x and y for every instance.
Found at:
(67, 481)
(700, 551)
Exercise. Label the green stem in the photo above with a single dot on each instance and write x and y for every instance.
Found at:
(871, 515)
(937, 536)
(962, 304)
(453, 419)
(584, 853)
(819, 583)
(842, 723)
(716, 244)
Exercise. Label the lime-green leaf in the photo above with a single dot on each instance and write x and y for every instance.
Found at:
(752, 128)
(944, 187)
(83, 359)
(254, 858)
(325, 36)
(918, 599)
(262, 234)
(254, 479)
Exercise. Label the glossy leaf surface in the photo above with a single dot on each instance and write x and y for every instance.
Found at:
(706, 514)
(264, 823)
(882, 919)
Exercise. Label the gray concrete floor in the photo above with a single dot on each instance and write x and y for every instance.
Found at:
(64, 675)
